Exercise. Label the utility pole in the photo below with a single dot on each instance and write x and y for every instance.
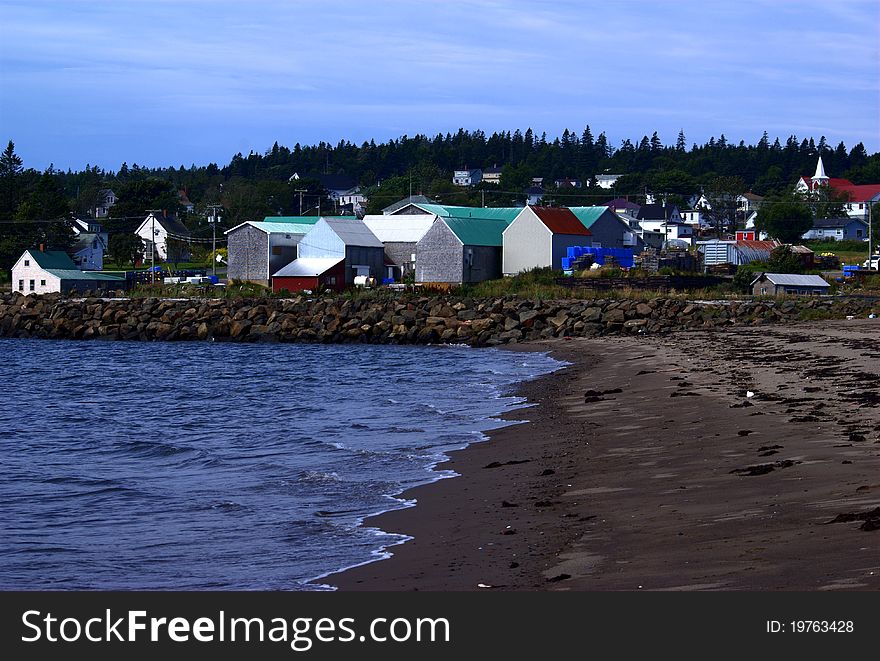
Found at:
(213, 219)
(153, 213)
(300, 191)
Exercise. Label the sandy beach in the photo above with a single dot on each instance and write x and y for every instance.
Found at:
(743, 459)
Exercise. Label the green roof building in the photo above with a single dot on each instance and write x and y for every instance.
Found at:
(52, 271)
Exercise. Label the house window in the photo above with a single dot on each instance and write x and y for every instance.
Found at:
(332, 279)
(32, 285)
(27, 262)
(42, 283)
(21, 285)
(858, 232)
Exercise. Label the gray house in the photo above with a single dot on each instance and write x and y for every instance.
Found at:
(259, 249)
(399, 235)
(539, 237)
(776, 284)
(340, 238)
(838, 229)
(607, 228)
(459, 250)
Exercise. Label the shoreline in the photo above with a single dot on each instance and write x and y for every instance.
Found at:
(672, 483)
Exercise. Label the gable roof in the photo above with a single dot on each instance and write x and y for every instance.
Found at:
(507, 214)
(170, 223)
(477, 231)
(589, 215)
(560, 220)
(300, 220)
(836, 223)
(405, 229)
(621, 203)
(412, 199)
(52, 259)
(793, 279)
(277, 228)
(308, 267)
(654, 212)
(353, 232)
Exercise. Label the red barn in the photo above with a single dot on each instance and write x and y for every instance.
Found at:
(310, 273)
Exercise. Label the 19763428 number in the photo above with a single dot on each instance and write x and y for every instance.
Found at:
(811, 626)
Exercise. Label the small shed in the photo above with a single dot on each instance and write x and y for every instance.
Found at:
(259, 249)
(540, 237)
(310, 273)
(347, 241)
(777, 284)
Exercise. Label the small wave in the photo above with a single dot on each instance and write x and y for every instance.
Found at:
(405, 430)
(358, 425)
(319, 476)
(150, 449)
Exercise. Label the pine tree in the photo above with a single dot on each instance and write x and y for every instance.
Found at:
(680, 143)
(10, 181)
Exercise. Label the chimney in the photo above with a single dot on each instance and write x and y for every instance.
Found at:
(42, 247)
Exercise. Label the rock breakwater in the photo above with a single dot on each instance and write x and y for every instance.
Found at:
(397, 320)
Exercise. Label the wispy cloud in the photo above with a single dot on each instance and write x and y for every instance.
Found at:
(161, 81)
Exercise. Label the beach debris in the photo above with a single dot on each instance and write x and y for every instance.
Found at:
(485, 585)
(547, 471)
(850, 317)
(509, 531)
(559, 577)
(513, 565)
(504, 503)
(872, 316)
(870, 519)
(744, 432)
(749, 394)
(763, 469)
(856, 438)
(512, 462)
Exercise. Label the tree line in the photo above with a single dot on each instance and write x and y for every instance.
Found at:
(258, 184)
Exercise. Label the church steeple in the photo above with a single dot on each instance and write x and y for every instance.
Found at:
(820, 178)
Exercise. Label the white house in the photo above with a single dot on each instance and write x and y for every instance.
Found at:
(534, 195)
(492, 175)
(51, 271)
(89, 244)
(607, 180)
(467, 177)
(838, 229)
(157, 229)
(106, 199)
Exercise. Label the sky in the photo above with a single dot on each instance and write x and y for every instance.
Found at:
(161, 82)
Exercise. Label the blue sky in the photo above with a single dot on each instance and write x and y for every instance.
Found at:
(158, 82)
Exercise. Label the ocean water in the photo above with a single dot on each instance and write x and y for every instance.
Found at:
(225, 466)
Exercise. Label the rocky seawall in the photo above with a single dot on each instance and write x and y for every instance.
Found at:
(399, 320)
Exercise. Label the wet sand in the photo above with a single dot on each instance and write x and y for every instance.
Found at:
(744, 459)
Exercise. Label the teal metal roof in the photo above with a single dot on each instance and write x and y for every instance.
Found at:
(476, 231)
(52, 259)
(507, 214)
(76, 274)
(588, 215)
(300, 220)
(283, 228)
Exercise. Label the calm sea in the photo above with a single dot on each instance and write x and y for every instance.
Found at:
(224, 466)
